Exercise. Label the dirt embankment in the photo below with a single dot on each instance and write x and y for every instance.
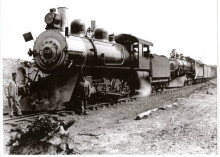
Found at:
(188, 127)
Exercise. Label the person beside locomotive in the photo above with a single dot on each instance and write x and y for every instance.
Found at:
(12, 95)
(84, 94)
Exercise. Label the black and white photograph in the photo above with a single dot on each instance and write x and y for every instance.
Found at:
(109, 77)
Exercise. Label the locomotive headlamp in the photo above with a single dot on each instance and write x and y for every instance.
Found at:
(52, 18)
(49, 18)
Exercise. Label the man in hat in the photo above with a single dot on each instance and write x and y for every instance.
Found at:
(84, 93)
(12, 95)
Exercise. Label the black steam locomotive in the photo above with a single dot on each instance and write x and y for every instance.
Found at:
(114, 64)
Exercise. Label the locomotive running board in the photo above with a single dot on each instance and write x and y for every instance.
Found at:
(177, 82)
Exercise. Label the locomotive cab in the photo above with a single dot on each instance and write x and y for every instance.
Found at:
(137, 48)
(142, 47)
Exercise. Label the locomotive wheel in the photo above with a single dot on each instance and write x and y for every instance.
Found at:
(162, 87)
(125, 88)
(107, 85)
(120, 86)
(116, 85)
(158, 88)
(154, 88)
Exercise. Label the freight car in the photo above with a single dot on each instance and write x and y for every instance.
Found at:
(117, 65)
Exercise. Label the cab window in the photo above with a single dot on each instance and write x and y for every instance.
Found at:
(146, 50)
(135, 47)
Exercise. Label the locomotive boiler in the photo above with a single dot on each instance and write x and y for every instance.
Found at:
(53, 50)
(114, 64)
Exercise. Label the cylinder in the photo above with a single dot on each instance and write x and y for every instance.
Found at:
(62, 13)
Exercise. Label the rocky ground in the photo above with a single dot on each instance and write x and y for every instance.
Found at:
(188, 125)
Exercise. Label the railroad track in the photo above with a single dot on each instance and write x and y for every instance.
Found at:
(23, 117)
(129, 99)
(31, 117)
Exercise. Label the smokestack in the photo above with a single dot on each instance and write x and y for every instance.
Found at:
(62, 13)
(93, 26)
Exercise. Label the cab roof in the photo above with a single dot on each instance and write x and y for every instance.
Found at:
(126, 39)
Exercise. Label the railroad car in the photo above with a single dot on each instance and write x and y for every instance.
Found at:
(213, 71)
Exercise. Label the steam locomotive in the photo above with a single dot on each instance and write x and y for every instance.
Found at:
(114, 64)
(193, 70)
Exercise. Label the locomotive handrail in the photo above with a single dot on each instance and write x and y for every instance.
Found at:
(94, 48)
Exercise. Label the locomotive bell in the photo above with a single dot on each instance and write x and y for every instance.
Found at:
(101, 33)
(77, 27)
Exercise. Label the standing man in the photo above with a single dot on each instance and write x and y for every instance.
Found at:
(84, 92)
(12, 95)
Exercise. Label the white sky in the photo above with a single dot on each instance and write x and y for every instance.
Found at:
(189, 26)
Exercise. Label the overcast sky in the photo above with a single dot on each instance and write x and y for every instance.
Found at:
(189, 26)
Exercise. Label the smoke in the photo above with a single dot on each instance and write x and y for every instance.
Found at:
(145, 88)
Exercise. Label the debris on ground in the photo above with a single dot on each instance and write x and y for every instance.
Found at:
(143, 115)
(62, 114)
(88, 134)
(149, 112)
(210, 93)
(46, 135)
